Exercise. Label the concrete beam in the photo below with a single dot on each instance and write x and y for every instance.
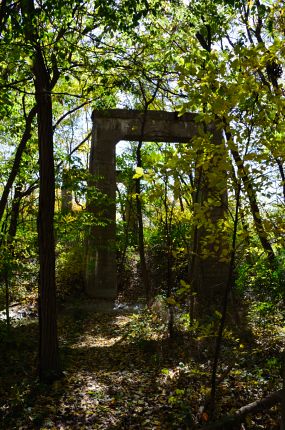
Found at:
(158, 126)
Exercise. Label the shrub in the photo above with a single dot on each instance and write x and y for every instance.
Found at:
(69, 271)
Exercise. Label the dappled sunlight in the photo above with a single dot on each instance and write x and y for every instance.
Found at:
(122, 373)
(92, 339)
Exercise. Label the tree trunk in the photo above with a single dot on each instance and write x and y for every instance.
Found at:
(248, 186)
(49, 367)
(282, 174)
(144, 270)
(48, 355)
(17, 160)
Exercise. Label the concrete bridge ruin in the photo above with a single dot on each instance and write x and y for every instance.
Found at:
(109, 127)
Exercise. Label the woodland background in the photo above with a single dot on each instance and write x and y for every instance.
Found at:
(59, 61)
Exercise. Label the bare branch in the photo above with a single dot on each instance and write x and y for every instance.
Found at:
(69, 113)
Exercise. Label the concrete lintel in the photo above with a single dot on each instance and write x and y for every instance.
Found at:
(159, 126)
(134, 114)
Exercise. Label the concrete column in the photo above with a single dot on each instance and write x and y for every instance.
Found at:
(209, 271)
(100, 277)
(66, 194)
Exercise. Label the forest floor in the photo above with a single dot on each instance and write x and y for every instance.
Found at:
(120, 371)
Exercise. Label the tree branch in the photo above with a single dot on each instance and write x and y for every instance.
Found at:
(70, 112)
(229, 421)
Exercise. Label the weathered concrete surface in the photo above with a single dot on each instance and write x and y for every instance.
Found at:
(158, 126)
(209, 274)
(100, 279)
(109, 127)
(66, 194)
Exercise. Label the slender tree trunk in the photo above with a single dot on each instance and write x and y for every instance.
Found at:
(145, 274)
(49, 358)
(282, 174)
(244, 223)
(169, 253)
(128, 223)
(248, 186)
(49, 367)
(169, 273)
(17, 160)
(192, 270)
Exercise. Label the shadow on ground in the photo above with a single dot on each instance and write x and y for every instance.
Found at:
(110, 382)
(114, 377)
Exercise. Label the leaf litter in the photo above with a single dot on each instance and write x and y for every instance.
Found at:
(121, 372)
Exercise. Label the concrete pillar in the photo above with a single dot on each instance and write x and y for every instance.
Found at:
(209, 273)
(66, 194)
(100, 277)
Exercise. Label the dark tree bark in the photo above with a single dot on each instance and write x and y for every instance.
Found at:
(282, 174)
(49, 367)
(3, 14)
(49, 358)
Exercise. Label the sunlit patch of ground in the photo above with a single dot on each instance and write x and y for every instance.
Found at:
(91, 339)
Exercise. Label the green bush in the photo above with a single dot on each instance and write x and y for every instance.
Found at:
(69, 270)
(259, 281)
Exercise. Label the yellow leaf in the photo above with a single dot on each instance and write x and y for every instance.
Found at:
(139, 173)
